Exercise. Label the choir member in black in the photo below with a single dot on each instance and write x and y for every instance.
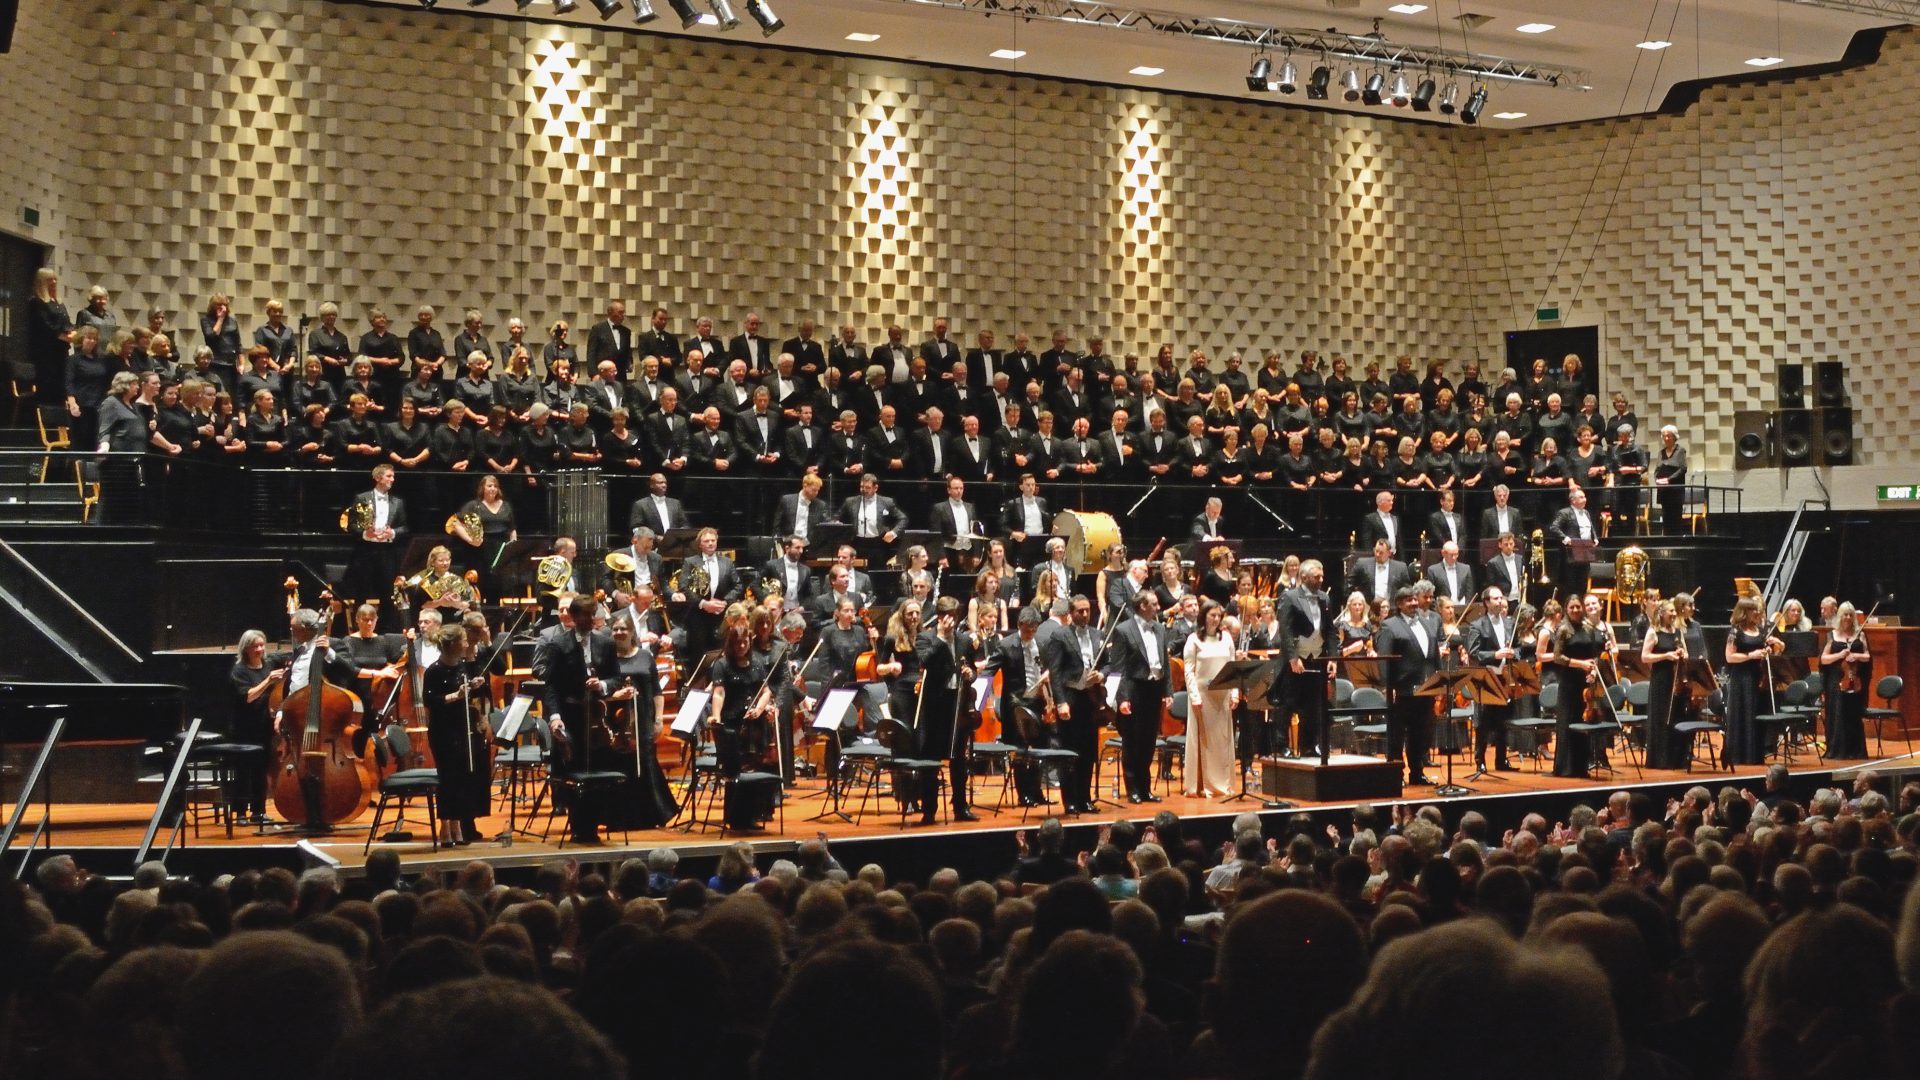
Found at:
(1228, 464)
(1589, 469)
(408, 440)
(1491, 642)
(174, 429)
(1471, 464)
(574, 662)
(1846, 651)
(539, 444)
(622, 450)
(88, 371)
(1629, 464)
(252, 680)
(1576, 647)
(49, 335)
(1218, 583)
(579, 446)
(1664, 652)
(381, 346)
(359, 433)
(1380, 470)
(1414, 643)
(459, 750)
(310, 388)
(1140, 655)
(425, 392)
(266, 431)
(327, 342)
(313, 444)
(645, 800)
(517, 387)
(220, 331)
(475, 388)
(425, 344)
(1445, 420)
(1670, 479)
(741, 718)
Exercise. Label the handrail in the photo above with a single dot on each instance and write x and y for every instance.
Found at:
(32, 783)
(74, 608)
(1786, 561)
(174, 773)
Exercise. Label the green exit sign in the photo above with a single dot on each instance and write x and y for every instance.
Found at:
(1547, 314)
(1899, 492)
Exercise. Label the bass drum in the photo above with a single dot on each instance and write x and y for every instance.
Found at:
(1088, 536)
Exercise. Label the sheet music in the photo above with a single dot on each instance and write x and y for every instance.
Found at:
(833, 709)
(693, 706)
(515, 717)
(1113, 693)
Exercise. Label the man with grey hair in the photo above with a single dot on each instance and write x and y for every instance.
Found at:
(1066, 645)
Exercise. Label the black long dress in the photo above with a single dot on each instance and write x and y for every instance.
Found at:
(739, 743)
(1662, 749)
(1846, 713)
(645, 800)
(463, 775)
(1744, 745)
(1571, 753)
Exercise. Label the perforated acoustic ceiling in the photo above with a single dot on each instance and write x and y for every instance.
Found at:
(386, 156)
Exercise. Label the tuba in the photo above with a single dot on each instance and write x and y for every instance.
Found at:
(1537, 557)
(554, 571)
(621, 566)
(1630, 576)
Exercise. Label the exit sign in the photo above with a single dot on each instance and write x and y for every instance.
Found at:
(1899, 492)
(1550, 313)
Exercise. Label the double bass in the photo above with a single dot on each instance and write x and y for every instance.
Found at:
(317, 779)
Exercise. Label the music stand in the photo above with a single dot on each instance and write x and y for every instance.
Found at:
(826, 537)
(678, 543)
(513, 723)
(414, 558)
(1481, 686)
(1033, 550)
(926, 538)
(1198, 550)
(1800, 644)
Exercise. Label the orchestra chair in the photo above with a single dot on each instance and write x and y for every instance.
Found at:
(1600, 584)
(1369, 701)
(1340, 715)
(998, 756)
(861, 766)
(86, 477)
(1540, 724)
(53, 437)
(1172, 749)
(1632, 708)
(407, 782)
(20, 382)
(1043, 758)
(1789, 715)
(1110, 751)
(703, 780)
(582, 785)
(224, 760)
(1888, 688)
(930, 782)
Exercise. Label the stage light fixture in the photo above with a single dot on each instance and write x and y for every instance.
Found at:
(1289, 78)
(1476, 101)
(723, 10)
(1376, 82)
(1448, 97)
(643, 12)
(1398, 95)
(1350, 85)
(1257, 74)
(476, 3)
(1423, 95)
(770, 23)
(428, 4)
(689, 18)
(562, 7)
(607, 8)
(1318, 82)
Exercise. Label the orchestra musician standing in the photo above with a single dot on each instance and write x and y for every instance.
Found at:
(1414, 646)
(450, 687)
(1066, 648)
(1848, 665)
(1140, 655)
(574, 663)
(1305, 617)
(1490, 642)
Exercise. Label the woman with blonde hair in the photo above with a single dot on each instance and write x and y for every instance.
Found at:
(49, 333)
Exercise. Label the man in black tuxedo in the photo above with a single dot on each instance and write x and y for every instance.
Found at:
(1068, 644)
(848, 356)
(1080, 455)
(378, 521)
(1119, 449)
(1193, 455)
(1305, 617)
(648, 568)
(944, 679)
(789, 568)
(893, 354)
(971, 455)
(939, 351)
(1574, 522)
(1158, 448)
(985, 362)
(871, 513)
(804, 445)
(701, 612)
(1139, 654)
(657, 340)
(574, 663)
(1445, 524)
(643, 397)
(1023, 366)
(809, 359)
(1406, 636)
(733, 395)
(1382, 524)
(787, 387)
(1011, 445)
(1451, 578)
(1507, 570)
(603, 395)
(1072, 400)
(710, 450)
(846, 447)
(1382, 576)
(995, 404)
(1044, 450)
(667, 431)
(750, 347)
(655, 510)
(1057, 361)
(955, 517)
(1022, 699)
(1490, 643)
(612, 339)
(1207, 524)
(888, 452)
(1026, 514)
(800, 512)
(713, 352)
(757, 432)
(931, 456)
(699, 383)
(1503, 517)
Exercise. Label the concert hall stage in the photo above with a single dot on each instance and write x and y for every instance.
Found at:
(103, 837)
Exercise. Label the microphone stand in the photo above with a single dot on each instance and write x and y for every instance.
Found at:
(1285, 525)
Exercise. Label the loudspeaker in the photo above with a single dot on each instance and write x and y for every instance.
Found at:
(1794, 428)
(1835, 435)
(1791, 381)
(9, 12)
(1830, 383)
(1753, 439)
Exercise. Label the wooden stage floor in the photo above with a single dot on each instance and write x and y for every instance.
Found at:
(78, 827)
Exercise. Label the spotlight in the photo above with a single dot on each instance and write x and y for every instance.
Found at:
(770, 23)
(689, 18)
(561, 7)
(428, 4)
(723, 11)
(476, 3)
(1371, 95)
(1423, 95)
(1289, 78)
(1476, 101)
(1257, 74)
(643, 12)
(1318, 81)
(1399, 95)
(1350, 85)
(607, 8)
(1447, 97)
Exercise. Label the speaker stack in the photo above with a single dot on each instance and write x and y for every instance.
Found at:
(1797, 431)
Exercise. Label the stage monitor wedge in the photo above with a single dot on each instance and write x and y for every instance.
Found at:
(1753, 439)
(1791, 383)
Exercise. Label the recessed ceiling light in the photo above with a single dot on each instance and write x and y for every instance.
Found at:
(1007, 54)
(1144, 69)
(1534, 27)
(1764, 61)
(863, 37)
(1407, 9)
(1509, 116)
(1653, 46)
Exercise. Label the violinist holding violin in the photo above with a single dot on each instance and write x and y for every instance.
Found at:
(1848, 664)
(574, 661)
(1749, 653)
(946, 675)
(459, 750)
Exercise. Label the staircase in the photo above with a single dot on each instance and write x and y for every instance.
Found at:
(24, 499)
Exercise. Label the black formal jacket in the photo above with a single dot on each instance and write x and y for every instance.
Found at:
(560, 661)
(1129, 655)
(396, 514)
(1010, 515)
(800, 456)
(1371, 530)
(1395, 638)
(1438, 575)
(892, 519)
(643, 512)
(809, 358)
(601, 345)
(948, 529)
(1294, 614)
(1498, 574)
(737, 350)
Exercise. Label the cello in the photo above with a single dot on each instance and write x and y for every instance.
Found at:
(318, 780)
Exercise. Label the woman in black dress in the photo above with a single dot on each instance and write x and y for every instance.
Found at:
(459, 751)
(497, 529)
(1747, 651)
(407, 439)
(899, 665)
(1229, 464)
(252, 724)
(1549, 477)
(1575, 650)
(1846, 709)
(1664, 652)
(645, 800)
(1218, 583)
(1170, 584)
(49, 334)
(266, 431)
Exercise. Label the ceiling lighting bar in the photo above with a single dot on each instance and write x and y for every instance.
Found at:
(1357, 48)
(1903, 10)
